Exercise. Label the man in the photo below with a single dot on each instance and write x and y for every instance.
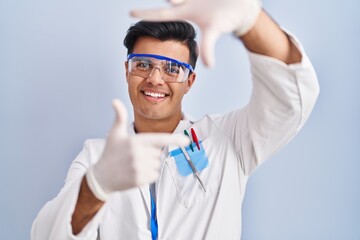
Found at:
(141, 183)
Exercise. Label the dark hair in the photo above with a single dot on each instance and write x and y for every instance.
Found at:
(180, 31)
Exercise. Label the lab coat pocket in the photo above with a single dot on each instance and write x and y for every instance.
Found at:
(198, 158)
(188, 187)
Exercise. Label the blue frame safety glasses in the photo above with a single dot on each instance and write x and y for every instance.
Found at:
(171, 70)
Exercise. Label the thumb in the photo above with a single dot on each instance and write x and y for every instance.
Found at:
(176, 2)
(207, 47)
(121, 117)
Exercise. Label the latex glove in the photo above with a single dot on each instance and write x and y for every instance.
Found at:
(214, 17)
(128, 161)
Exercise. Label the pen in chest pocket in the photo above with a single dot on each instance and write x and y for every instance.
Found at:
(187, 134)
(193, 134)
(188, 159)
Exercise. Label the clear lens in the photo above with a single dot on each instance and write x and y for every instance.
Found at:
(170, 71)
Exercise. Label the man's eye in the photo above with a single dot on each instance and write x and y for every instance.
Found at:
(173, 69)
(142, 64)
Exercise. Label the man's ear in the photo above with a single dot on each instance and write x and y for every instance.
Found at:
(191, 80)
(126, 71)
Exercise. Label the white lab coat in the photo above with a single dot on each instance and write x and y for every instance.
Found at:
(235, 143)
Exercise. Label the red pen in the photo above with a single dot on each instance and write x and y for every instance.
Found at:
(194, 137)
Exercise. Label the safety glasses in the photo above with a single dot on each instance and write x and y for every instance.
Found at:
(171, 70)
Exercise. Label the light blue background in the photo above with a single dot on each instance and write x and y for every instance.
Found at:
(61, 64)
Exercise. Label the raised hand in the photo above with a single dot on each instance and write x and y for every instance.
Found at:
(214, 17)
(128, 160)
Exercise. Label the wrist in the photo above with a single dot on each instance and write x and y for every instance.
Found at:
(94, 186)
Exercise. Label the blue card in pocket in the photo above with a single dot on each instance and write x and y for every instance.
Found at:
(198, 157)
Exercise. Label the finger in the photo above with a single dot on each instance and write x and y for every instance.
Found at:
(150, 177)
(153, 153)
(162, 14)
(153, 164)
(176, 2)
(147, 176)
(163, 139)
(121, 117)
(148, 155)
(207, 46)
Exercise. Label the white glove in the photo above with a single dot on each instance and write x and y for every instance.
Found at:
(214, 17)
(128, 161)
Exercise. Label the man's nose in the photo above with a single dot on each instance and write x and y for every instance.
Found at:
(156, 77)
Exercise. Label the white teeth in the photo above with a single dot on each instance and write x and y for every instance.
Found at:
(155, 95)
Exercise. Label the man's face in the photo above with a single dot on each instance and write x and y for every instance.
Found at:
(153, 98)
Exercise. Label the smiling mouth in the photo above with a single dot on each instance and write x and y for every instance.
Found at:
(155, 94)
